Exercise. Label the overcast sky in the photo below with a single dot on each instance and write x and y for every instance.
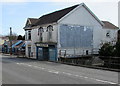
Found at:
(15, 12)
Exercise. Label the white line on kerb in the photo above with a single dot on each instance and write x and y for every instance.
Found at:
(105, 81)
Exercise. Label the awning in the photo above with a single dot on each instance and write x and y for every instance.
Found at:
(17, 43)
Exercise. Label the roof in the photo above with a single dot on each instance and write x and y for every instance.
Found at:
(55, 16)
(33, 20)
(30, 22)
(109, 25)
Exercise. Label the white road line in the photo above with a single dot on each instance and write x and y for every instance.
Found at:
(57, 72)
(67, 73)
(29, 65)
(18, 63)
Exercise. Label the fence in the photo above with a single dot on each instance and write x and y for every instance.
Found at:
(95, 61)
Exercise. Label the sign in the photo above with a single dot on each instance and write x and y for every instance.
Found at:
(29, 45)
(42, 45)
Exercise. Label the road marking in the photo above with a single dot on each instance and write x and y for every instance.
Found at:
(53, 71)
(18, 63)
(29, 65)
(67, 73)
(57, 72)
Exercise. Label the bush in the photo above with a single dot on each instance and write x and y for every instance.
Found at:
(106, 50)
(117, 49)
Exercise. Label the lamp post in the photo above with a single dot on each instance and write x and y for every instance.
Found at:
(10, 41)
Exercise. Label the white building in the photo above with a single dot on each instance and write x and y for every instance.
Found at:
(71, 31)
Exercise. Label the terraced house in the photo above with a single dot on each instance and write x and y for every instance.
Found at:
(68, 32)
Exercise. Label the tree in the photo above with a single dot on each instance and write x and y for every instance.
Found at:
(13, 37)
(19, 37)
(23, 37)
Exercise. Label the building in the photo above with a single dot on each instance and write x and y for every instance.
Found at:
(68, 32)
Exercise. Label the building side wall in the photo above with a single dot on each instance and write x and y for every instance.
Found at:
(80, 17)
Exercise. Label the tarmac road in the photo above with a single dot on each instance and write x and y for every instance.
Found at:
(27, 71)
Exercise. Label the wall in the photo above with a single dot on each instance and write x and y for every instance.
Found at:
(34, 39)
(113, 34)
(28, 44)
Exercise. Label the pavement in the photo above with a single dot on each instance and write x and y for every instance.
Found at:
(27, 71)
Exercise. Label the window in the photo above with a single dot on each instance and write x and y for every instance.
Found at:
(40, 31)
(50, 29)
(29, 35)
(108, 34)
(25, 35)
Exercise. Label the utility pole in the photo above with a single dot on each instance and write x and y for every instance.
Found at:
(10, 41)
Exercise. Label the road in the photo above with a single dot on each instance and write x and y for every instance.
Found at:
(27, 71)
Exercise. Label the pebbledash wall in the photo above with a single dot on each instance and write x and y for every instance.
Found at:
(79, 32)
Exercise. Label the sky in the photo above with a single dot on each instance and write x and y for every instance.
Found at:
(14, 13)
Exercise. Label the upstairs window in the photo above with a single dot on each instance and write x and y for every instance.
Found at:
(29, 35)
(49, 30)
(40, 31)
(25, 35)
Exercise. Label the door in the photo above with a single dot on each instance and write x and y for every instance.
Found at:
(46, 53)
(29, 51)
(40, 53)
(52, 54)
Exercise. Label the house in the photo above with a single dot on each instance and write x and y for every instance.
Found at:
(68, 32)
(3, 43)
(28, 27)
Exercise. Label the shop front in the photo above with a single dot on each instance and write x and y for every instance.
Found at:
(46, 51)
